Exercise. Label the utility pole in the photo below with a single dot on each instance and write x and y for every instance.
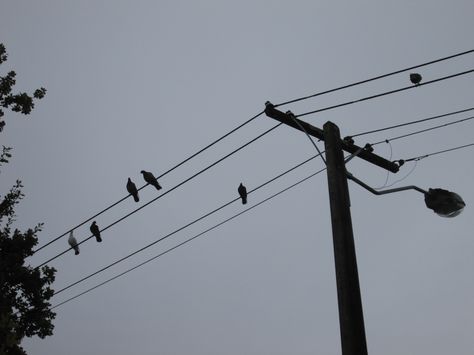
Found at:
(351, 319)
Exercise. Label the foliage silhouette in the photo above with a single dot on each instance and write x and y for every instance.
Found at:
(24, 291)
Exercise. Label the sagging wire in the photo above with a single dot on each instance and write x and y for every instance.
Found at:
(388, 173)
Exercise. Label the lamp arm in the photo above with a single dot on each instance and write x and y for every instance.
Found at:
(383, 192)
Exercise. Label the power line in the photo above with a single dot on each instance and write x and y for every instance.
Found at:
(233, 152)
(263, 134)
(439, 152)
(193, 222)
(218, 225)
(377, 77)
(309, 137)
(411, 122)
(387, 176)
(248, 121)
(205, 216)
(165, 173)
(168, 191)
(388, 140)
(190, 239)
(403, 178)
(385, 93)
(225, 221)
(424, 130)
(183, 227)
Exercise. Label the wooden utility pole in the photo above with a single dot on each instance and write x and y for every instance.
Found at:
(351, 319)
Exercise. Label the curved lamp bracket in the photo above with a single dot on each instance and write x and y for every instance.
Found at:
(443, 202)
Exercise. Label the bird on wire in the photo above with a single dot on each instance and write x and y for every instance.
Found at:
(73, 243)
(243, 193)
(151, 179)
(415, 78)
(96, 231)
(132, 189)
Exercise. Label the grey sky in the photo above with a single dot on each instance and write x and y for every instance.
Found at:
(143, 84)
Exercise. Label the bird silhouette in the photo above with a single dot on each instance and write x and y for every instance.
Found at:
(95, 231)
(132, 189)
(151, 179)
(415, 78)
(243, 193)
(73, 243)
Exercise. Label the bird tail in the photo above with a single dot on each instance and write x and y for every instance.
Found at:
(76, 250)
(98, 238)
(136, 198)
(244, 200)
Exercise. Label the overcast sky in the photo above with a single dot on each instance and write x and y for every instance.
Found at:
(138, 85)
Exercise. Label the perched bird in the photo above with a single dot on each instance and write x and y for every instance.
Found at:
(243, 193)
(132, 189)
(415, 78)
(151, 179)
(73, 243)
(95, 231)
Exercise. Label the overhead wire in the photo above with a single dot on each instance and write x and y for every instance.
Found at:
(309, 137)
(212, 228)
(420, 157)
(160, 176)
(389, 140)
(183, 227)
(411, 122)
(403, 178)
(208, 167)
(424, 130)
(377, 77)
(250, 120)
(188, 240)
(387, 175)
(208, 214)
(385, 93)
(167, 192)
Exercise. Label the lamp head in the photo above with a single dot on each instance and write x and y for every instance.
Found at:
(444, 203)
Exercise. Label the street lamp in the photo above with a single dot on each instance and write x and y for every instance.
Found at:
(443, 202)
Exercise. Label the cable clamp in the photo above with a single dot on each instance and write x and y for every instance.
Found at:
(349, 139)
(368, 147)
(399, 162)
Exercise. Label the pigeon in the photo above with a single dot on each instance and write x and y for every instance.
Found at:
(73, 243)
(95, 231)
(243, 193)
(132, 189)
(415, 78)
(151, 179)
